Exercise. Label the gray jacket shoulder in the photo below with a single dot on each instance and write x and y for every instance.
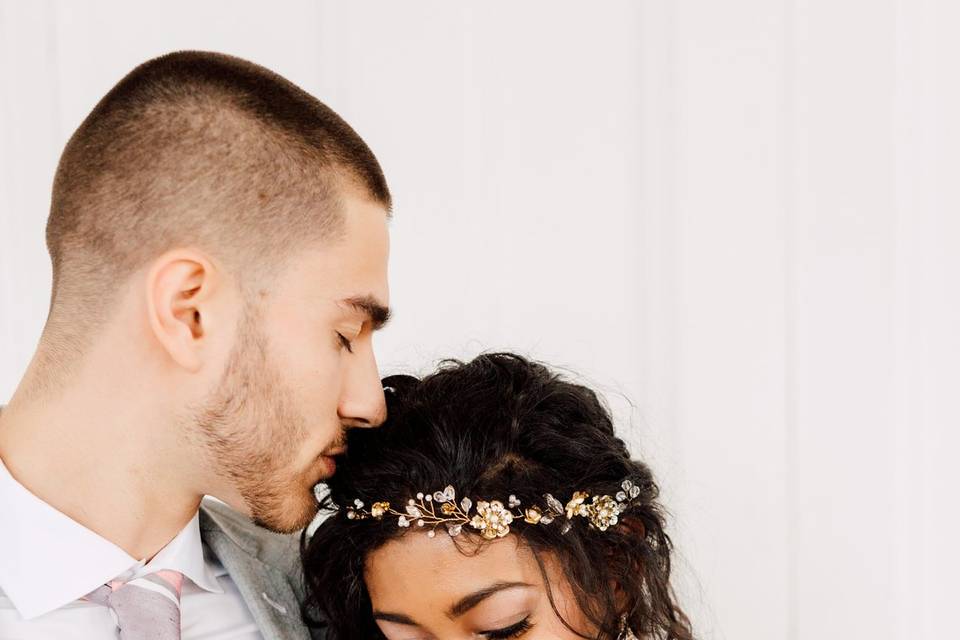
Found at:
(280, 551)
(264, 565)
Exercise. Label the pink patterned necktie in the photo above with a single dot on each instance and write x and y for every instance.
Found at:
(147, 608)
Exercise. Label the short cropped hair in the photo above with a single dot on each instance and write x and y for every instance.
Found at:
(203, 150)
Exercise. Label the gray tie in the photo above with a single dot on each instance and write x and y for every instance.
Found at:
(147, 608)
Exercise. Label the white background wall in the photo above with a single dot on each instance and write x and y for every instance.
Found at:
(739, 219)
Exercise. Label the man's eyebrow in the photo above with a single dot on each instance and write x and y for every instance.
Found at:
(469, 602)
(399, 618)
(369, 306)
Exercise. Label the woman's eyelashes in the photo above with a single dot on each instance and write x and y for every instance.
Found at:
(513, 631)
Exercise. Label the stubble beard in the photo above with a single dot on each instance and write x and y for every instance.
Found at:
(251, 431)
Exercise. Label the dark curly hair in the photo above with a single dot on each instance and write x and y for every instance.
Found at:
(497, 425)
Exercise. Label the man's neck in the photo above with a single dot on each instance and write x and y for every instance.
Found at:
(103, 470)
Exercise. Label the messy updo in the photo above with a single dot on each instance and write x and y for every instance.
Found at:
(495, 426)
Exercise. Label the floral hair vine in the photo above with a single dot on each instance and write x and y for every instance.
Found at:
(493, 518)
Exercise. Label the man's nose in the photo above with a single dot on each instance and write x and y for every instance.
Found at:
(362, 403)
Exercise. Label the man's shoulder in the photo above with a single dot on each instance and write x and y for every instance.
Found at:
(264, 565)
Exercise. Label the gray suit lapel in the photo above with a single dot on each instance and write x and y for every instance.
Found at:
(261, 564)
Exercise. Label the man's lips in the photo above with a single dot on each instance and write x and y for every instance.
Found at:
(327, 466)
(327, 460)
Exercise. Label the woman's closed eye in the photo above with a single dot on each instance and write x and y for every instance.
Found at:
(513, 631)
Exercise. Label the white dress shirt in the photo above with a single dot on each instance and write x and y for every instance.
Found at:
(48, 562)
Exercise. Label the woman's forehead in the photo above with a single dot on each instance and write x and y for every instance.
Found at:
(454, 567)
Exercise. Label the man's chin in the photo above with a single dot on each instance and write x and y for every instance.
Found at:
(288, 509)
(292, 519)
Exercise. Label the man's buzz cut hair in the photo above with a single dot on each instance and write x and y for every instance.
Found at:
(195, 149)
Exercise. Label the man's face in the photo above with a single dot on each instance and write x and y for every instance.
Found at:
(302, 372)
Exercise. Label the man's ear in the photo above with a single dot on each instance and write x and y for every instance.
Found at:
(180, 285)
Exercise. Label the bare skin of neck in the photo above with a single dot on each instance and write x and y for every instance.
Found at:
(107, 451)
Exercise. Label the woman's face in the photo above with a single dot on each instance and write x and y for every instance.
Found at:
(426, 588)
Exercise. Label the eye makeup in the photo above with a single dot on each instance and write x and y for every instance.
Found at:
(507, 633)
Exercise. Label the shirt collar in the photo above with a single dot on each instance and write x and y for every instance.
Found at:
(48, 560)
(184, 554)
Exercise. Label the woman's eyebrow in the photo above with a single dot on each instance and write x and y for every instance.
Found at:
(469, 602)
(461, 607)
(399, 618)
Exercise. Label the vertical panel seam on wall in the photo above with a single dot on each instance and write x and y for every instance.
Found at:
(664, 222)
(6, 322)
(5, 333)
(671, 226)
(671, 255)
(53, 58)
(788, 172)
(670, 259)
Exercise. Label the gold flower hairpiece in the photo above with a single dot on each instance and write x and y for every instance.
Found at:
(493, 518)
